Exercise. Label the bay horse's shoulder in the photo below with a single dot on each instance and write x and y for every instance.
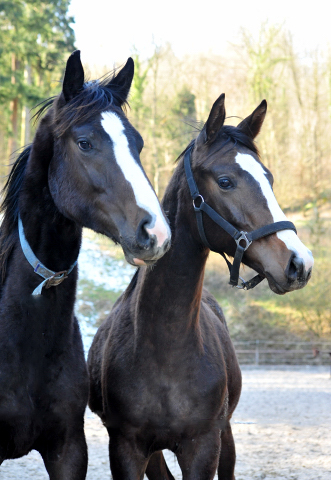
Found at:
(121, 304)
(209, 300)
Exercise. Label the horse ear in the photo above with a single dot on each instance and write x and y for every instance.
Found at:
(74, 77)
(253, 123)
(215, 120)
(122, 81)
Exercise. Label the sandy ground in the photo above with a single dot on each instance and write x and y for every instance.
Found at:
(282, 430)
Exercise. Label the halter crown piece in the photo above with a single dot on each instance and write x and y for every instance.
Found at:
(242, 239)
(51, 279)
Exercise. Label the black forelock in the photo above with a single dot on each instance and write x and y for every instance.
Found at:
(95, 97)
(228, 135)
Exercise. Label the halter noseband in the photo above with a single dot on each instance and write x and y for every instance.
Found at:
(51, 279)
(242, 239)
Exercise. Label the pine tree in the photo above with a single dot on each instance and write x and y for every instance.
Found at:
(35, 38)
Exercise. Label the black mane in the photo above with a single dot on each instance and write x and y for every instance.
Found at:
(9, 208)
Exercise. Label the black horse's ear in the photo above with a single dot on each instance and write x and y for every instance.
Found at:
(74, 76)
(215, 120)
(121, 83)
(253, 123)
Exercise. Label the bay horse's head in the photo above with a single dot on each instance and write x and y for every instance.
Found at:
(232, 180)
(95, 176)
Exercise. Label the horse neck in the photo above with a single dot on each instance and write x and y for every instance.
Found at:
(54, 239)
(170, 292)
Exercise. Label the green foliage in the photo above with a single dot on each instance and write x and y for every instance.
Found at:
(34, 33)
(35, 38)
(184, 105)
(138, 105)
(179, 121)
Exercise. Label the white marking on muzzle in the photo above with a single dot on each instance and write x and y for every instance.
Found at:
(143, 192)
(291, 240)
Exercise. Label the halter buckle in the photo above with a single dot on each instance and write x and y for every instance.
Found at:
(243, 238)
(56, 279)
(242, 286)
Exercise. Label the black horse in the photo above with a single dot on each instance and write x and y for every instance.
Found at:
(163, 370)
(82, 170)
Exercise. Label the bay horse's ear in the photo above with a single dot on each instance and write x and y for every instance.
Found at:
(253, 123)
(215, 121)
(121, 83)
(74, 76)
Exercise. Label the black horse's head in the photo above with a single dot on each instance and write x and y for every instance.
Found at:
(95, 176)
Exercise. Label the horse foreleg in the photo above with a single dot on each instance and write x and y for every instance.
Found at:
(127, 461)
(71, 462)
(157, 468)
(228, 455)
(198, 457)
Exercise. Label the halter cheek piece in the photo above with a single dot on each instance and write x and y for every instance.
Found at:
(242, 239)
(51, 279)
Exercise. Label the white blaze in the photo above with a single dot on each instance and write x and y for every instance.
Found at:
(289, 237)
(143, 192)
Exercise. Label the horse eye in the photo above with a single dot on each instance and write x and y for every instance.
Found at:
(84, 145)
(225, 183)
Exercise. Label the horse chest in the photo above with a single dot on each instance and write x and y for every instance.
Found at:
(37, 377)
(172, 399)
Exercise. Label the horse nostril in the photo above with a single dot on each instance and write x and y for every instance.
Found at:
(296, 270)
(144, 239)
(152, 242)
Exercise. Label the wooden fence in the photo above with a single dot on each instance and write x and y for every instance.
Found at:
(258, 352)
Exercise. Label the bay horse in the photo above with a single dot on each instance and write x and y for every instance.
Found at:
(82, 170)
(163, 370)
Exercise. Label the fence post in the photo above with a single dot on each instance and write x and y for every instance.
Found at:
(257, 353)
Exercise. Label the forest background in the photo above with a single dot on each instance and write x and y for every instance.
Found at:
(170, 98)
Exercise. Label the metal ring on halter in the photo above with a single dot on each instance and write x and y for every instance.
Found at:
(243, 284)
(243, 237)
(197, 209)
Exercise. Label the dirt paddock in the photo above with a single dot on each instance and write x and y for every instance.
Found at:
(282, 430)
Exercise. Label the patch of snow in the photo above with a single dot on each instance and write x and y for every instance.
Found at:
(101, 269)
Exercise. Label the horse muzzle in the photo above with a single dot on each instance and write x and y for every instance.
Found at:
(296, 276)
(147, 247)
(147, 256)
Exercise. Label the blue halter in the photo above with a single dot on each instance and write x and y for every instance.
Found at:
(51, 279)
